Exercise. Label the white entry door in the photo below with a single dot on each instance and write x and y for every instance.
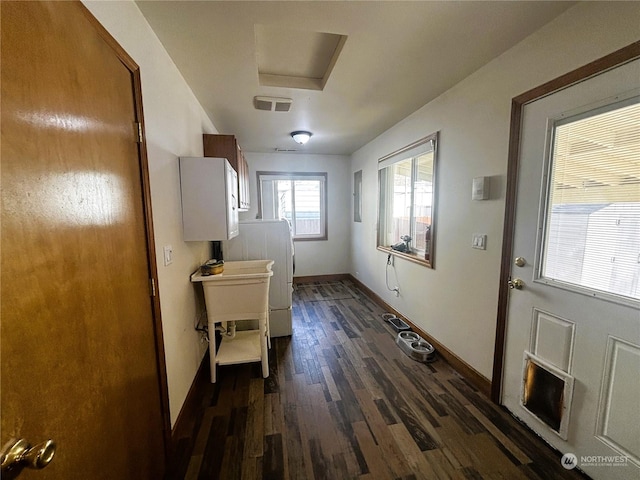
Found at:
(572, 347)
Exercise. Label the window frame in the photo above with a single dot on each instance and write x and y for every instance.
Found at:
(322, 177)
(565, 118)
(414, 150)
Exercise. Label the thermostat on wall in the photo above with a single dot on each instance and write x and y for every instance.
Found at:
(480, 190)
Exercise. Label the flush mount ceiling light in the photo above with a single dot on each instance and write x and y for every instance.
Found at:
(301, 136)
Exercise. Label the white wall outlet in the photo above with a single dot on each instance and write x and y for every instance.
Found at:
(168, 255)
(479, 241)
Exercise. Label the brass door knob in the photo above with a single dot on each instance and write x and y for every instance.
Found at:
(18, 454)
(516, 283)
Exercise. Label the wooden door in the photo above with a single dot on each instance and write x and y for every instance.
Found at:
(577, 315)
(79, 351)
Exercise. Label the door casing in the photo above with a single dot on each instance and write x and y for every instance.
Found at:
(146, 224)
(148, 216)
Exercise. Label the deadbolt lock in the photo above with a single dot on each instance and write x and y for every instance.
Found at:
(520, 262)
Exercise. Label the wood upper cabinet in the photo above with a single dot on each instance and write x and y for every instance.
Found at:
(226, 146)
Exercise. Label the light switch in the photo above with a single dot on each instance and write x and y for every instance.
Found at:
(479, 241)
(168, 255)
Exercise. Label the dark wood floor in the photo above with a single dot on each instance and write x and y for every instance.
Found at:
(343, 402)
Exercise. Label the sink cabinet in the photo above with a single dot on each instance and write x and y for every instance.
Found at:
(226, 146)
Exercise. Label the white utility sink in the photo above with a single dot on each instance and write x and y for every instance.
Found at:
(240, 292)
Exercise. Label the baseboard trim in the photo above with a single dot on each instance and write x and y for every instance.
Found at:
(322, 278)
(190, 412)
(476, 378)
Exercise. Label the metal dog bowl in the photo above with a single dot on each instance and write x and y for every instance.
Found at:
(416, 347)
(422, 346)
(409, 336)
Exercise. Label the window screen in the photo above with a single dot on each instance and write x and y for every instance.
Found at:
(592, 228)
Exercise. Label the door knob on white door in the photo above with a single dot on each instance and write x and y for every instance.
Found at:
(17, 454)
(516, 283)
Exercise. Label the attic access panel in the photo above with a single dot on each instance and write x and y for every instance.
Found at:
(296, 58)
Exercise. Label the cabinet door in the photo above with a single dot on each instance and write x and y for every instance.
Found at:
(209, 193)
(243, 179)
(232, 201)
(240, 171)
(226, 146)
(245, 182)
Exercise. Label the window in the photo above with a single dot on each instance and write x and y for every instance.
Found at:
(406, 210)
(299, 197)
(357, 196)
(592, 227)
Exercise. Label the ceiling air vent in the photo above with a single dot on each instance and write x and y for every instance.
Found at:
(272, 104)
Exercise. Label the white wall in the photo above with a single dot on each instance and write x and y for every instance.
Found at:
(457, 302)
(320, 257)
(174, 122)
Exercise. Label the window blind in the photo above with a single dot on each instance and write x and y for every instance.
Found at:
(424, 145)
(592, 229)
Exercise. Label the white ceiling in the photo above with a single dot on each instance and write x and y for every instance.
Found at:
(397, 57)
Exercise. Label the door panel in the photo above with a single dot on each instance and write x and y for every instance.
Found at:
(589, 336)
(78, 346)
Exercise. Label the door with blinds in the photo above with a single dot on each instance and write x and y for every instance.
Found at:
(572, 350)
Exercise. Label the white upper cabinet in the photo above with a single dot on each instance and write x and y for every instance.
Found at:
(209, 189)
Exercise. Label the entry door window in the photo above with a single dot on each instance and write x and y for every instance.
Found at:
(592, 227)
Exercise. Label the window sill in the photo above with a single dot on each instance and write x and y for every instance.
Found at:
(412, 257)
(310, 239)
